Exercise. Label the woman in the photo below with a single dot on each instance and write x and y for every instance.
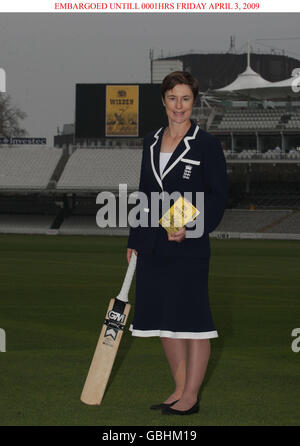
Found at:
(172, 270)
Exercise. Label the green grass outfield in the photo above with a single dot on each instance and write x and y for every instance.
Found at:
(54, 294)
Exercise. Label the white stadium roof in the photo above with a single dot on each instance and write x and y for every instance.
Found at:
(252, 85)
(246, 81)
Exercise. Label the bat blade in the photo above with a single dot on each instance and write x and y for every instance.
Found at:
(105, 352)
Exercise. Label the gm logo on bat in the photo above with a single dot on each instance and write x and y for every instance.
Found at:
(113, 315)
(114, 324)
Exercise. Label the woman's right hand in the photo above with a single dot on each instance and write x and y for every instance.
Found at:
(129, 252)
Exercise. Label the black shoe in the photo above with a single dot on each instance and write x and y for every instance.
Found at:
(170, 411)
(162, 405)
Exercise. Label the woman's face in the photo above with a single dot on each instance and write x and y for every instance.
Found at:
(179, 103)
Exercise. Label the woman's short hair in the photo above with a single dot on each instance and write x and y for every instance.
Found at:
(179, 77)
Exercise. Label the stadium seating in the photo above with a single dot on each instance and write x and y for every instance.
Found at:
(294, 122)
(239, 221)
(25, 224)
(256, 119)
(293, 155)
(86, 225)
(234, 221)
(290, 225)
(270, 195)
(70, 207)
(27, 168)
(249, 221)
(101, 169)
(246, 154)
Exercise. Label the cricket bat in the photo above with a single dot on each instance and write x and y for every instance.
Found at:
(109, 341)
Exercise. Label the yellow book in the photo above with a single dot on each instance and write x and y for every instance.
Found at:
(181, 213)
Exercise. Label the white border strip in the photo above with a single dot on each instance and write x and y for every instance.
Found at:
(174, 334)
(158, 179)
(254, 235)
(147, 6)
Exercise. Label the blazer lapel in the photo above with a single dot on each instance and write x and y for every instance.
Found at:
(154, 155)
(182, 148)
(179, 152)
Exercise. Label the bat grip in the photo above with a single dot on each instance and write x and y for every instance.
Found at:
(123, 296)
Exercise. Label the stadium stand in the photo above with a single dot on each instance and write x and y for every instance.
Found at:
(102, 169)
(43, 192)
(235, 220)
(271, 195)
(30, 168)
(247, 119)
(86, 225)
(290, 225)
(25, 224)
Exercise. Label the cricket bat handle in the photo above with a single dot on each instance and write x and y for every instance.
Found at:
(123, 296)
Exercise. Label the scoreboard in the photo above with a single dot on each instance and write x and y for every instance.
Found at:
(118, 110)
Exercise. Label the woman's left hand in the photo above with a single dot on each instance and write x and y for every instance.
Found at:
(178, 236)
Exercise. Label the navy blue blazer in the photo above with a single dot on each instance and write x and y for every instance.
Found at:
(204, 153)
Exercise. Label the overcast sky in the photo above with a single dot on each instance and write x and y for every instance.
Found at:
(45, 55)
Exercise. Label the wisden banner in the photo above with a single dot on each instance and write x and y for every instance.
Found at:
(122, 110)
